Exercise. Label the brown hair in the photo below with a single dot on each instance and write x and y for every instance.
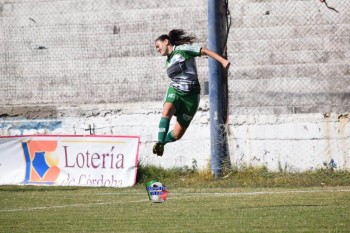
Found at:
(177, 37)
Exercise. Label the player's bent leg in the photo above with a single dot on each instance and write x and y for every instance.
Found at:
(168, 112)
(172, 136)
(163, 129)
(179, 130)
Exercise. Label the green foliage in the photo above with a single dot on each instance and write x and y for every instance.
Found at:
(243, 177)
(151, 172)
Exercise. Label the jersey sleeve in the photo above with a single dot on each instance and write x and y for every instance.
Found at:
(189, 51)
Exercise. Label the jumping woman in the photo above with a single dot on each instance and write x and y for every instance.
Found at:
(182, 96)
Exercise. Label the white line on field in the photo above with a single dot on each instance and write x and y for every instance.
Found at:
(178, 196)
(261, 193)
(236, 193)
(67, 206)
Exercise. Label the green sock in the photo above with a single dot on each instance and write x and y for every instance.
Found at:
(163, 129)
(170, 137)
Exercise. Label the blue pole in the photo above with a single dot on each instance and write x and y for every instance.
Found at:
(216, 38)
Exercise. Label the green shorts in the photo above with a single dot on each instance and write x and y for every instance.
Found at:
(186, 104)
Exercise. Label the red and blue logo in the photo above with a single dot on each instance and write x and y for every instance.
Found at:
(41, 162)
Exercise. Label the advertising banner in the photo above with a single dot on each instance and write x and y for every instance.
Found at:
(109, 161)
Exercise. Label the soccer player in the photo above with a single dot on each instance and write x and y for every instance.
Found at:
(182, 96)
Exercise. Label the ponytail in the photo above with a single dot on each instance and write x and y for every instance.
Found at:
(177, 37)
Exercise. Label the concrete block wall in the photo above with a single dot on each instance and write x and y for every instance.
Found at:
(72, 52)
(289, 57)
(69, 65)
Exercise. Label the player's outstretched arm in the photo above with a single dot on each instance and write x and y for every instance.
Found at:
(225, 63)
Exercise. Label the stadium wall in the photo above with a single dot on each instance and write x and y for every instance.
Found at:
(291, 142)
(81, 67)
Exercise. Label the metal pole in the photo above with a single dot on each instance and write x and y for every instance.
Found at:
(217, 29)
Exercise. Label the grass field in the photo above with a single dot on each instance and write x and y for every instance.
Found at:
(71, 209)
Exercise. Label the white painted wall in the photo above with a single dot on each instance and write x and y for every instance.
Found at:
(292, 143)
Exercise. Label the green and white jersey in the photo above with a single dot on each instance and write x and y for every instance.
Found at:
(182, 69)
